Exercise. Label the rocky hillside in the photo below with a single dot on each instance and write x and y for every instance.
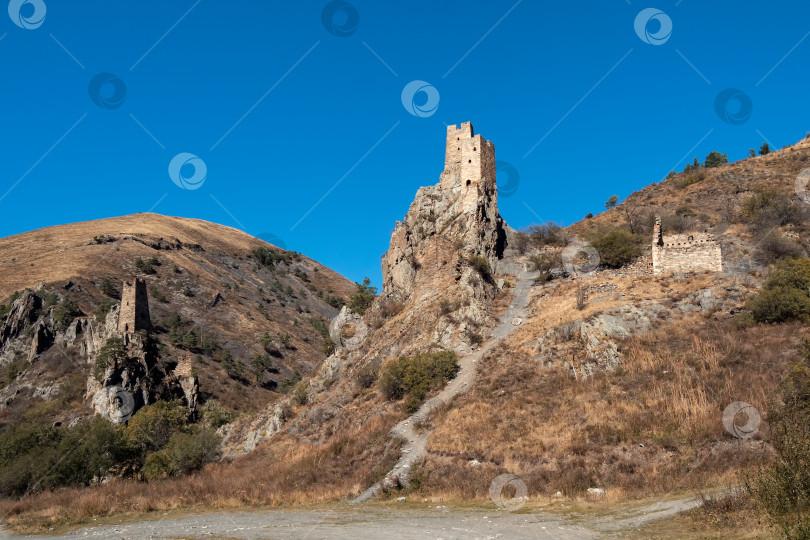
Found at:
(579, 379)
(250, 319)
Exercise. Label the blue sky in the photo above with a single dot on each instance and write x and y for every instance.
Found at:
(301, 125)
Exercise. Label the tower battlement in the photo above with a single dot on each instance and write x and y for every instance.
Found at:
(134, 313)
(469, 163)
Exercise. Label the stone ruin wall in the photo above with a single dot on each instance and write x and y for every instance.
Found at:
(685, 252)
(184, 367)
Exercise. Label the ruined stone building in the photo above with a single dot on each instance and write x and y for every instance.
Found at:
(134, 314)
(697, 252)
(469, 166)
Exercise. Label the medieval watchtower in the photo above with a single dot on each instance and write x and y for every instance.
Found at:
(469, 164)
(134, 314)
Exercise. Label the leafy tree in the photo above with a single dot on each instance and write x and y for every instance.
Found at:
(692, 166)
(545, 263)
(785, 295)
(65, 312)
(152, 426)
(617, 247)
(715, 159)
(261, 364)
(752, 153)
(190, 340)
(108, 288)
(764, 149)
(363, 297)
(611, 202)
(185, 452)
(113, 351)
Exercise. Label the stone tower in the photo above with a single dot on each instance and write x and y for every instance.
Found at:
(134, 314)
(469, 166)
(697, 252)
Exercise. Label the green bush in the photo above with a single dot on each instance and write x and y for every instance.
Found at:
(617, 247)
(363, 297)
(151, 428)
(765, 149)
(108, 288)
(269, 257)
(102, 309)
(785, 295)
(145, 267)
(214, 415)
(415, 376)
(34, 457)
(112, 351)
(185, 452)
(611, 202)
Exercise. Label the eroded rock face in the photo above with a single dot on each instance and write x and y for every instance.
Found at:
(459, 213)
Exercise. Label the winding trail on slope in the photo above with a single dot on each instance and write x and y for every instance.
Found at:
(414, 448)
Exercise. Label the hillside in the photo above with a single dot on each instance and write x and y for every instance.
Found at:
(204, 273)
(489, 351)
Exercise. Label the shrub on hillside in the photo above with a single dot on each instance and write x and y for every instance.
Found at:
(771, 208)
(34, 457)
(785, 295)
(185, 452)
(782, 489)
(617, 247)
(152, 426)
(545, 264)
(481, 265)
(776, 247)
(414, 376)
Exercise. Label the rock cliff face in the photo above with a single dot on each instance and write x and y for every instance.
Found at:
(34, 338)
(459, 213)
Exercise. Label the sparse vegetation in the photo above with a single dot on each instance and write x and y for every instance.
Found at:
(108, 288)
(146, 266)
(611, 202)
(363, 297)
(65, 312)
(715, 159)
(480, 264)
(545, 264)
(414, 377)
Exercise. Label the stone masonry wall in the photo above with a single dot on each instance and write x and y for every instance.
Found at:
(134, 314)
(469, 166)
(684, 252)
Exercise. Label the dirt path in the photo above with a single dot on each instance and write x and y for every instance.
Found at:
(414, 448)
(404, 521)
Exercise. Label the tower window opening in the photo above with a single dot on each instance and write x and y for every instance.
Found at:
(469, 182)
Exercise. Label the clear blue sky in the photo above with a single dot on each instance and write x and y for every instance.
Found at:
(611, 112)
